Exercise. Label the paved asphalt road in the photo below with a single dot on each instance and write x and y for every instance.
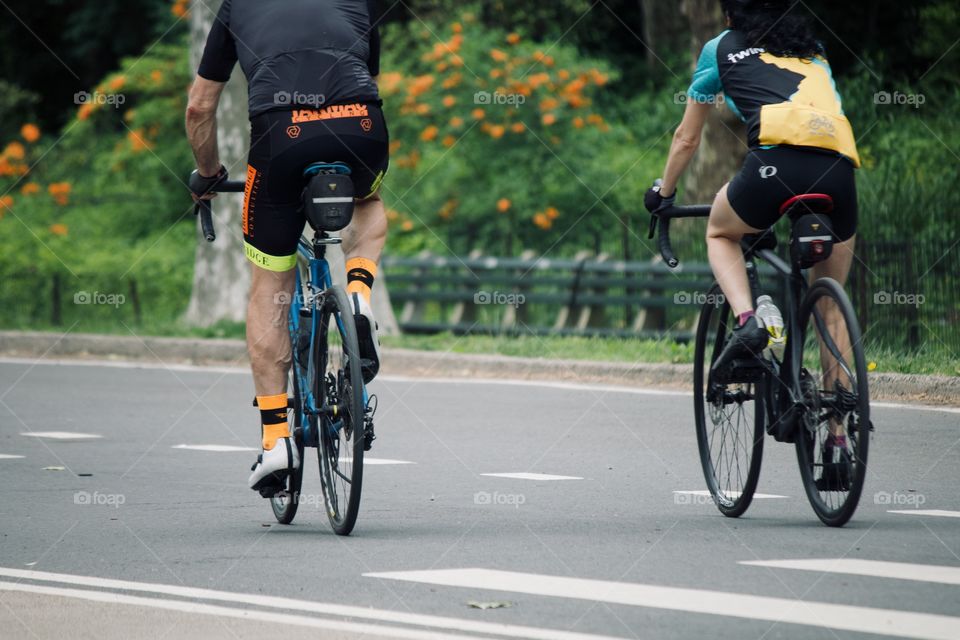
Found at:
(128, 535)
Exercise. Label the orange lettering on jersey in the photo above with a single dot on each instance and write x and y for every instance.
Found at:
(332, 112)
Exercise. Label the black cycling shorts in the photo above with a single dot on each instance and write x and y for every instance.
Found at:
(770, 177)
(283, 144)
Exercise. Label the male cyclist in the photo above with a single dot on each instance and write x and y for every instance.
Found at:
(311, 67)
(773, 74)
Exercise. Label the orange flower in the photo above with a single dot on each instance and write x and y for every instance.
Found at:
(407, 225)
(430, 133)
(453, 80)
(30, 133)
(117, 83)
(58, 229)
(457, 27)
(422, 109)
(442, 66)
(496, 73)
(542, 221)
(390, 81)
(478, 114)
(60, 192)
(549, 119)
(513, 38)
(449, 101)
(497, 131)
(449, 141)
(593, 118)
(15, 151)
(392, 214)
(538, 55)
(551, 213)
(85, 110)
(503, 205)
(448, 208)
(456, 61)
(138, 141)
(456, 122)
(578, 122)
(498, 55)
(518, 127)
(6, 202)
(157, 76)
(549, 104)
(30, 188)
(395, 146)
(420, 85)
(548, 60)
(179, 8)
(563, 74)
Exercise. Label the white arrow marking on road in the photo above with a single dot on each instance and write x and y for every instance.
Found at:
(730, 494)
(871, 568)
(928, 512)
(907, 624)
(220, 448)
(273, 602)
(530, 476)
(8, 456)
(60, 435)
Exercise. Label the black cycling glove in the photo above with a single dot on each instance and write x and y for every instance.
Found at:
(201, 186)
(654, 201)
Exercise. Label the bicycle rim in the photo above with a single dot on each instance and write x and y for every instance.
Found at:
(285, 503)
(339, 383)
(729, 418)
(836, 400)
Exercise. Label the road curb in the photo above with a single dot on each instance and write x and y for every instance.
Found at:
(936, 390)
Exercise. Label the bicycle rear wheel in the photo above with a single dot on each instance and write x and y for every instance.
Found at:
(285, 503)
(833, 378)
(339, 384)
(730, 417)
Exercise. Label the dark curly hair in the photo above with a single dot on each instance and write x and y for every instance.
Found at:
(772, 24)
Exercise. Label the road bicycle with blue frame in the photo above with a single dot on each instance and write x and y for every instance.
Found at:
(331, 408)
(816, 387)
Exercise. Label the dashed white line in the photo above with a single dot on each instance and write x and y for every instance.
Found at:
(937, 513)
(871, 568)
(530, 476)
(219, 448)
(379, 461)
(61, 435)
(730, 494)
(8, 456)
(906, 624)
(289, 605)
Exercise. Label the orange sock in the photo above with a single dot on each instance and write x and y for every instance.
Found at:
(360, 275)
(273, 417)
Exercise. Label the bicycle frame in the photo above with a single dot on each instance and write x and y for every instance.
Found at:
(310, 295)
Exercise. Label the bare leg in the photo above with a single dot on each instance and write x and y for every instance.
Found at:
(367, 233)
(268, 339)
(837, 266)
(724, 232)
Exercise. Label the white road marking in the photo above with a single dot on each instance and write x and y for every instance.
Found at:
(8, 456)
(212, 447)
(887, 622)
(730, 494)
(61, 435)
(872, 568)
(376, 461)
(927, 512)
(530, 476)
(287, 604)
(571, 386)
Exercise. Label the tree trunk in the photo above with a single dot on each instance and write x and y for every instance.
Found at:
(663, 25)
(724, 138)
(221, 276)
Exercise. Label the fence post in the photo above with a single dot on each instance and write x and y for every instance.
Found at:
(570, 308)
(56, 311)
(413, 309)
(465, 311)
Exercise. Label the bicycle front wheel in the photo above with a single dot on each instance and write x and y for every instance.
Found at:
(339, 386)
(834, 433)
(730, 416)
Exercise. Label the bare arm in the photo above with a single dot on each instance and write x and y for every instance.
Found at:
(686, 140)
(201, 123)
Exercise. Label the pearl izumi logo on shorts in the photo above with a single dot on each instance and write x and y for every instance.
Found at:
(767, 171)
(746, 53)
(330, 113)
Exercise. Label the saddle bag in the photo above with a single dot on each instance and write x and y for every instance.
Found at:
(811, 240)
(328, 201)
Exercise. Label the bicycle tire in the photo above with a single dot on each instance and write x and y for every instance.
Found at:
(345, 390)
(859, 435)
(285, 504)
(712, 329)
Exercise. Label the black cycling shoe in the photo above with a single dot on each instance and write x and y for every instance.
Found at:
(745, 345)
(837, 465)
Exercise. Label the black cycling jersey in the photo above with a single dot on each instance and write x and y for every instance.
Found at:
(296, 54)
(784, 101)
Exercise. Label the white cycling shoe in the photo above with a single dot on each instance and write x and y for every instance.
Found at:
(272, 467)
(366, 336)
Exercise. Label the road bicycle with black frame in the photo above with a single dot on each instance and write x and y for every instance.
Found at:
(332, 410)
(814, 387)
